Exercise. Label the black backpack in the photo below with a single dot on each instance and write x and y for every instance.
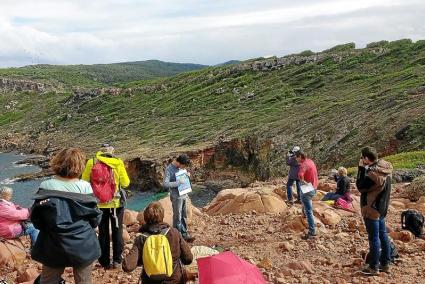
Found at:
(413, 221)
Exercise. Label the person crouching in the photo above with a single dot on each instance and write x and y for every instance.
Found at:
(139, 256)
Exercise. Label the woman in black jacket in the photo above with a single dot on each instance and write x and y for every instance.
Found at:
(343, 185)
(66, 214)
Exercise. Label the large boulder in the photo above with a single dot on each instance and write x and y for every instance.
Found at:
(327, 214)
(244, 200)
(168, 211)
(12, 253)
(326, 186)
(415, 190)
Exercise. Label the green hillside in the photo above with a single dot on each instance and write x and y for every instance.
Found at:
(331, 104)
(98, 75)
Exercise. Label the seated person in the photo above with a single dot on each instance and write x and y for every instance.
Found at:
(13, 218)
(180, 250)
(343, 185)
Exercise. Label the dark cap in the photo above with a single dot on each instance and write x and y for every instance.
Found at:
(183, 159)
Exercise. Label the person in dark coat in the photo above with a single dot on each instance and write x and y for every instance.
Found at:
(180, 250)
(294, 168)
(66, 215)
(374, 184)
(343, 185)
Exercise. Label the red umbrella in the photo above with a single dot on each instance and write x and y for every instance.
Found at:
(228, 268)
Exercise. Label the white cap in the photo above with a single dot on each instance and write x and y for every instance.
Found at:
(296, 149)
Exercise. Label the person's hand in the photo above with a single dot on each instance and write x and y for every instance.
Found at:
(361, 162)
(182, 180)
(188, 174)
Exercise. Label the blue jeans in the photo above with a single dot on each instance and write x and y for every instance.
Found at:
(180, 214)
(379, 244)
(289, 189)
(30, 230)
(306, 199)
(331, 196)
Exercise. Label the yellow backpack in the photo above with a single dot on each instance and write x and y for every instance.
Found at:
(157, 258)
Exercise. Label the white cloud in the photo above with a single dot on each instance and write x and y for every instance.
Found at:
(101, 31)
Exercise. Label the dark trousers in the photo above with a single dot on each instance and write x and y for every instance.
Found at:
(104, 239)
(379, 244)
(289, 189)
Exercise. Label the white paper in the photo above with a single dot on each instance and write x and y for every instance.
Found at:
(305, 188)
(185, 187)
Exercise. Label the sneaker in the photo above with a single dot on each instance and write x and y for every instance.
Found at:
(367, 270)
(189, 239)
(117, 265)
(308, 236)
(290, 202)
(385, 268)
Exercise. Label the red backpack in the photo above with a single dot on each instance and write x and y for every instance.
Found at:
(102, 181)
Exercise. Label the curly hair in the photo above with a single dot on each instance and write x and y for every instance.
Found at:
(68, 163)
(154, 213)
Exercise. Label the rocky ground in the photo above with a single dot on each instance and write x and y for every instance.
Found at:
(263, 230)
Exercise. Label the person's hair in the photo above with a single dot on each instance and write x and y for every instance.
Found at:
(301, 154)
(68, 163)
(154, 213)
(5, 190)
(183, 159)
(370, 153)
(342, 171)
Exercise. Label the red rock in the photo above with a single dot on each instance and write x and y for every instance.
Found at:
(130, 217)
(404, 236)
(326, 186)
(302, 265)
(246, 200)
(168, 212)
(12, 253)
(126, 236)
(28, 275)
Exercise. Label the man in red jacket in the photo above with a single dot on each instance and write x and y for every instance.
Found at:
(309, 178)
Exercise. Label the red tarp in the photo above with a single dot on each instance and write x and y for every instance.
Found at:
(228, 268)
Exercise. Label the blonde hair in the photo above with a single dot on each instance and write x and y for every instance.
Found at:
(5, 191)
(342, 171)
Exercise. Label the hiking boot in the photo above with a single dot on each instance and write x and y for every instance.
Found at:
(369, 271)
(385, 268)
(189, 239)
(290, 202)
(309, 236)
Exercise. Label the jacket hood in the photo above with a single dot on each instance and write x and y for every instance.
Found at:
(108, 159)
(79, 197)
(382, 167)
(154, 228)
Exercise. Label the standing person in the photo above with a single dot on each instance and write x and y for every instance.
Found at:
(13, 218)
(294, 168)
(66, 213)
(178, 201)
(180, 250)
(343, 185)
(112, 210)
(374, 184)
(308, 174)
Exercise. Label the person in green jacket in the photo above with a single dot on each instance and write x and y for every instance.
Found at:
(113, 211)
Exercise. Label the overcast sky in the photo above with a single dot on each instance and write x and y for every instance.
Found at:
(198, 31)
